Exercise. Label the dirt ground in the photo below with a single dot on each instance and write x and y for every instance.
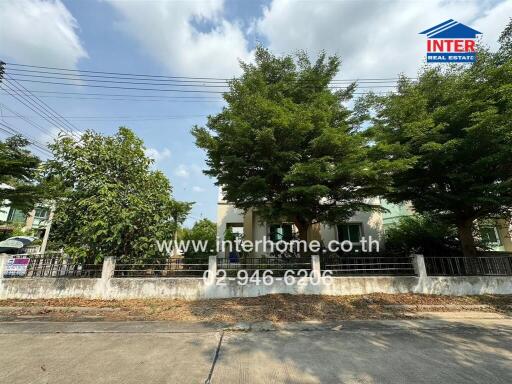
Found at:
(275, 308)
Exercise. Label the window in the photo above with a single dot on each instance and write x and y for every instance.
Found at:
(16, 216)
(490, 235)
(42, 213)
(280, 232)
(237, 229)
(352, 232)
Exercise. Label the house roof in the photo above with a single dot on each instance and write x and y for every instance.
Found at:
(450, 29)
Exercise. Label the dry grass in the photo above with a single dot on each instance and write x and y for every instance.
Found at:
(276, 308)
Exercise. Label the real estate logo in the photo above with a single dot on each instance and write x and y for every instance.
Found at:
(451, 42)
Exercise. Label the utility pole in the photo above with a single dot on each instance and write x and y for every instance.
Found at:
(47, 229)
(2, 70)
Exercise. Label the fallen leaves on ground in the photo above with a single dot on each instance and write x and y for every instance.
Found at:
(276, 308)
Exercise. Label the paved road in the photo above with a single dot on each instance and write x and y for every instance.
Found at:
(427, 351)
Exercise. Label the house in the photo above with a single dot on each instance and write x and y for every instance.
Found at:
(251, 227)
(362, 224)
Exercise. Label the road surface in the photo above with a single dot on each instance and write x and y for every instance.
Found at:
(407, 351)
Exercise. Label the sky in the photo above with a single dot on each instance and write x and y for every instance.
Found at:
(375, 39)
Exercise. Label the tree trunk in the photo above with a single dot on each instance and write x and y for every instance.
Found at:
(465, 231)
(302, 225)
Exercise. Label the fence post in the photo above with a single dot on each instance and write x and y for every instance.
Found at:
(212, 269)
(315, 266)
(418, 261)
(109, 265)
(3, 264)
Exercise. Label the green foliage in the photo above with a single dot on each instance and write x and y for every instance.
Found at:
(448, 138)
(421, 234)
(17, 230)
(203, 230)
(110, 202)
(179, 213)
(19, 168)
(287, 146)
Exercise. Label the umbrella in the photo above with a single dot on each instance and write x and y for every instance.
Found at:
(11, 243)
(26, 240)
(15, 243)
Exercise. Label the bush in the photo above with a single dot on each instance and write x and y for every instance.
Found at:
(422, 234)
(203, 230)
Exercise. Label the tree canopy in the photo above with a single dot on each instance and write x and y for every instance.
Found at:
(110, 202)
(285, 143)
(19, 169)
(205, 231)
(448, 137)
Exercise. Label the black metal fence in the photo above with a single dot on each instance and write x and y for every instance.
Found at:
(278, 265)
(367, 264)
(165, 267)
(50, 265)
(488, 264)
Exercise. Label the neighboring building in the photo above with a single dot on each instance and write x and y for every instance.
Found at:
(35, 221)
(496, 233)
(253, 228)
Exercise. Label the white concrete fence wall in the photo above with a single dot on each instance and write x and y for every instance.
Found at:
(109, 287)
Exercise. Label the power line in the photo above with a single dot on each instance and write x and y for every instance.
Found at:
(177, 82)
(126, 95)
(117, 73)
(35, 108)
(164, 90)
(174, 83)
(117, 87)
(165, 77)
(55, 115)
(41, 128)
(118, 117)
(127, 77)
(11, 130)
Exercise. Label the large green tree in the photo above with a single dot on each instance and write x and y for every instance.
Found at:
(111, 203)
(448, 135)
(19, 169)
(285, 144)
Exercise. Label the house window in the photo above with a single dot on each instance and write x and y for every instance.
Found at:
(280, 232)
(352, 232)
(42, 213)
(236, 229)
(490, 235)
(16, 216)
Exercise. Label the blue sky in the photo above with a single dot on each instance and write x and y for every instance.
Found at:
(206, 39)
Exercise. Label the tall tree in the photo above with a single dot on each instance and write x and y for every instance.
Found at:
(285, 145)
(111, 202)
(449, 138)
(18, 169)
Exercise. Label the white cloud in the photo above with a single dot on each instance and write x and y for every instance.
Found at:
(493, 22)
(182, 171)
(198, 189)
(157, 155)
(39, 32)
(373, 38)
(168, 31)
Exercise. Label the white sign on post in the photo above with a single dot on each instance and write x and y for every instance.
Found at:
(16, 267)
